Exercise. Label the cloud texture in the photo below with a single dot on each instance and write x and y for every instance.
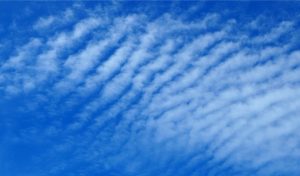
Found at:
(110, 90)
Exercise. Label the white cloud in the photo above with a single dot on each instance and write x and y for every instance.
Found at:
(54, 20)
(163, 91)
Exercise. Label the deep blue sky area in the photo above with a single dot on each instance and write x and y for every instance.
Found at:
(164, 88)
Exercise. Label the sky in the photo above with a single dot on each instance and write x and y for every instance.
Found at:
(153, 88)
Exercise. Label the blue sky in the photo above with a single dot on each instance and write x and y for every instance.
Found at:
(149, 88)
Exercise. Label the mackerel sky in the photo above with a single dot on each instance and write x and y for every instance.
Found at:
(156, 88)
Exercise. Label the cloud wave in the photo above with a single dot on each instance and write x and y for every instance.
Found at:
(132, 94)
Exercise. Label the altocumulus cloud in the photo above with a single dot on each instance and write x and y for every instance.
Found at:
(152, 88)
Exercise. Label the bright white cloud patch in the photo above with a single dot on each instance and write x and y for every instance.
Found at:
(127, 94)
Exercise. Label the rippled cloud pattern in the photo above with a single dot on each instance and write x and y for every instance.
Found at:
(149, 88)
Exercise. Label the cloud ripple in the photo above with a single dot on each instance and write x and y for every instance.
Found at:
(137, 95)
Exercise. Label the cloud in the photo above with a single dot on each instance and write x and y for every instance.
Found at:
(54, 21)
(132, 94)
